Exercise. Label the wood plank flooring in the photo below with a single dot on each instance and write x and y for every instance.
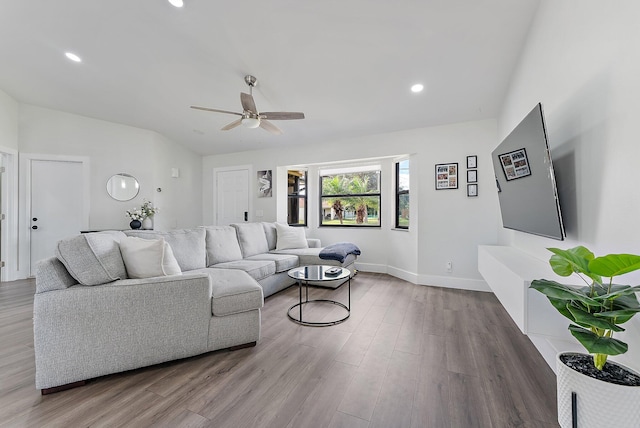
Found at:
(409, 356)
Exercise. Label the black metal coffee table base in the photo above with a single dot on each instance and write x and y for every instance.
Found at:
(307, 302)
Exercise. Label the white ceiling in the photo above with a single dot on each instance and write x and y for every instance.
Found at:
(348, 64)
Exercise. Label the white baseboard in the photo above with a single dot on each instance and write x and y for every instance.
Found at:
(403, 274)
(438, 281)
(453, 282)
(371, 267)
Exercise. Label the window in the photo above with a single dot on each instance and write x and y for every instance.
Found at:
(402, 194)
(350, 197)
(297, 198)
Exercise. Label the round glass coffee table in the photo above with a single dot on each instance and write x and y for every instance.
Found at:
(318, 273)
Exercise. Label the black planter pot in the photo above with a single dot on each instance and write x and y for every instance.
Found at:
(135, 224)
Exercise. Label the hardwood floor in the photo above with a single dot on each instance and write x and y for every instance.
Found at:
(409, 356)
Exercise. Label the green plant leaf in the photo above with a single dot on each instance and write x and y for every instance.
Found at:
(614, 264)
(626, 302)
(586, 319)
(561, 306)
(619, 316)
(595, 344)
(566, 262)
(555, 290)
(625, 291)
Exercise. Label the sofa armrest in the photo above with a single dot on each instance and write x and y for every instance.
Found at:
(314, 243)
(87, 331)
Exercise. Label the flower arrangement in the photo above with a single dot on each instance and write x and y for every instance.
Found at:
(148, 210)
(145, 211)
(135, 214)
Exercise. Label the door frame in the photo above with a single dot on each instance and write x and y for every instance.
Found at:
(24, 260)
(9, 204)
(249, 169)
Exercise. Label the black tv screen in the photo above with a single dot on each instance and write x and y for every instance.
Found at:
(525, 179)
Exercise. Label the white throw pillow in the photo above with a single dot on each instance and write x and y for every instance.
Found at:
(290, 237)
(148, 258)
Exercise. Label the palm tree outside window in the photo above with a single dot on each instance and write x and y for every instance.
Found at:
(350, 197)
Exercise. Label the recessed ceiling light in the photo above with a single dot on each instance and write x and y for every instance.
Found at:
(73, 57)
(418, 87)
(176, 3)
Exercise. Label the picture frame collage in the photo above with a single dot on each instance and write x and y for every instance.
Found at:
(472, 176)
(447, 176)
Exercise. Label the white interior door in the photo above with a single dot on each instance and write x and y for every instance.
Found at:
(57, 205)
(232, 196)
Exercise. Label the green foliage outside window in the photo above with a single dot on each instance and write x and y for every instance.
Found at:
(351, 199)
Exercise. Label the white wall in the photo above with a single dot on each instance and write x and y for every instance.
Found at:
(8, 122)
(446, 225)
(114, 148)
(581, 62)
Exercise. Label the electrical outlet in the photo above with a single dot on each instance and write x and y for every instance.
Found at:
(449, 266)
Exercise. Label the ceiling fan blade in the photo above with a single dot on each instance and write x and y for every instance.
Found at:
(265, 124)
(282, 115)
(232, 125)
(248, 103)
(216, 110)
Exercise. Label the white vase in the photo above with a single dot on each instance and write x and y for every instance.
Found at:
(147, 223)
(599, 404)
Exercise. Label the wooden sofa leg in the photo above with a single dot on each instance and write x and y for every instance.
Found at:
(246, 345)
(47, 391)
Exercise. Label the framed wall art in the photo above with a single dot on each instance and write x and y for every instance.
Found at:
(472, 190)
(446, 176)
(264, 184)
(472, 176)
(515, 164)
(472, 162)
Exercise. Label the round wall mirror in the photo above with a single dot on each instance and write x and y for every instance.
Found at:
(123, 187)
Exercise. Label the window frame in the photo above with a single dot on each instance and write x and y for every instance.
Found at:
(350, 195)
(398, 193)
(297, 196)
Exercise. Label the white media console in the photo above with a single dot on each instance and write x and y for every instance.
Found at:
(509, 271)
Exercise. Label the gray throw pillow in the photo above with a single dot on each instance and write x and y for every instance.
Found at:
(222, 245)
(93, 258)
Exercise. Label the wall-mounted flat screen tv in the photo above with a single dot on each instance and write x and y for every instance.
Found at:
(525, 179)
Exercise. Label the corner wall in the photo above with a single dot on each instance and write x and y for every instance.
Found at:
(581, 62)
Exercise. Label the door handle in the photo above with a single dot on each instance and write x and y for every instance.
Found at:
(34, 227)
(246, 216)
(35, 219)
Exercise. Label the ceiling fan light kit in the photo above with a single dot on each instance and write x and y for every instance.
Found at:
(250, 122)
(250, 116)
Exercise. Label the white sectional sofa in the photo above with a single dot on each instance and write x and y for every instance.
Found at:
(92, 319)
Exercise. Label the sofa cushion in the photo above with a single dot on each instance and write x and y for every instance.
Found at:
(233, 291)
(52, 275)
(290, 237)
(251, 238)
(271, 234)
(188, 245)
(148, 258)
(284, 262)
(93, 258)
(258, 269)
(222, 245)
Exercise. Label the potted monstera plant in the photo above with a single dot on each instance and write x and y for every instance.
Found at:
(591, 390)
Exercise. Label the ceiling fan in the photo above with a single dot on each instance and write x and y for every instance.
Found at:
(251, 118)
